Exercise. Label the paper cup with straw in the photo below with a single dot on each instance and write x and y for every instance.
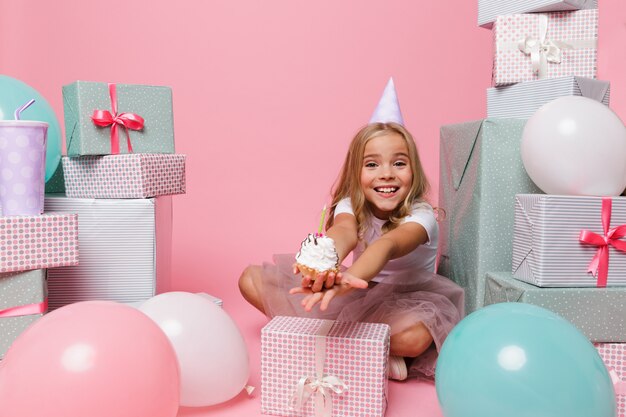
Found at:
(22, 165)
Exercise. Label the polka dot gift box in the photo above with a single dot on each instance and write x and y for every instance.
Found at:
(545, 45)
(316, 368)
(614, 357)
(124, 176)
(22, 301)
(106, 118)
(599, 313)
(35, 242)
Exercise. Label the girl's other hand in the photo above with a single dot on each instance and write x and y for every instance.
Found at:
(344, 284)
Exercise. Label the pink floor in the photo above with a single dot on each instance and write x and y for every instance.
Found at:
(406, 399)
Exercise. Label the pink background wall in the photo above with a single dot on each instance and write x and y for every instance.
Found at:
(267, 95)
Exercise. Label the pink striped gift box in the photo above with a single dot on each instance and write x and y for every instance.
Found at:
(535, 46)
(36, 242)
(124, 176)
(614, 357)
(316, 368)
(562, 241)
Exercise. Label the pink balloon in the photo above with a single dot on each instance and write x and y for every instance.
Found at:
(90, 359)
(211, 351)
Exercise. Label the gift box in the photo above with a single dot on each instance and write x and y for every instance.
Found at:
(22, 302)
(56, 183)
(614, 357)
(103, 119)
(545, 45)
(599, 313)
(481, 171)
(306, 363)
(522, 100)
(36, 242)
(125, 250)
(567, 241)
(124, 176)
(489, 10)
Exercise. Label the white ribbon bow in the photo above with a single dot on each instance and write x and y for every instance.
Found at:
(323, 388)
(542, 51)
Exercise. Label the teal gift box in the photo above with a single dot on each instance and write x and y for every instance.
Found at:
(95, 112)
(22, 302)
(599, 313)
(481, 171)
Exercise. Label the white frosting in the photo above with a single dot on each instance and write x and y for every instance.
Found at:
(318, 252)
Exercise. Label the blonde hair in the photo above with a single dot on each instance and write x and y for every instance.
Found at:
(348, 184)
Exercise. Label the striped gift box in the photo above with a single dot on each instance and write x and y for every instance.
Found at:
(536, 46)
(297, 353)
(125, 250)
(522, 100)
(547, 250)
(488, 10)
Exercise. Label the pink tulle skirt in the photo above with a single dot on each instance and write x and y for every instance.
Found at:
(400, 300)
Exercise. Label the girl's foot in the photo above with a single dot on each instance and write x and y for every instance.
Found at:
(397, 368)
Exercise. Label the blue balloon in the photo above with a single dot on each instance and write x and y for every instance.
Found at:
(514, 360)
(13, 94)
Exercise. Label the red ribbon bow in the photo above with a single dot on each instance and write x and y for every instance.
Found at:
(25, 310)
(104, 118)
(600, 263)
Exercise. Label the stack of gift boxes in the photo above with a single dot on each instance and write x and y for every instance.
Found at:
(118, 176)
(497, 218)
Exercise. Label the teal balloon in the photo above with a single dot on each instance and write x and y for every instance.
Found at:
(520, 360)
(15, 93)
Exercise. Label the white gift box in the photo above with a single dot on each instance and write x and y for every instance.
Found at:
(310, 364)
(125, 250)
(522, 100)
(535, 46)
(560, 241)
(489, 10)
(614, 357)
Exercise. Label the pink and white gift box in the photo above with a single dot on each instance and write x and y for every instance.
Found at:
(545, 45)
(489, 10)
(124, 176)
(37, 242)
(323, 368)
(569, 241)
(614, 357)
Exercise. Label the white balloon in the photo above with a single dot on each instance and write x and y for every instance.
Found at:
(575, 146)
(212, 353)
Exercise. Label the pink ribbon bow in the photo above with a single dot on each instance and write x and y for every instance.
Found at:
(618, 384)
(600, 263)
(104, 118)
(25, 310)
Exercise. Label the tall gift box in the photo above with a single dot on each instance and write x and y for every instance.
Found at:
(569, 241)
(522, 100)
(349, 358)
(545, 45)
(35, 242)
(22, 302)
(124, 176)
(614, 357)
(481, 171)
(103, 119)
(489, 10)
(125, 249)
(599, 313)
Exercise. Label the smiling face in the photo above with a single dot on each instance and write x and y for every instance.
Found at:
(386, 174)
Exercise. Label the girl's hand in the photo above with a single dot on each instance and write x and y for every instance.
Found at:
(344, 284)
(320, 281)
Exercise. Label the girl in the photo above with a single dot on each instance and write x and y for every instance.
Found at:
(378, 212)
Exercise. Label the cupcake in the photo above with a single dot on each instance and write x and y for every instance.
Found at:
(317, 255)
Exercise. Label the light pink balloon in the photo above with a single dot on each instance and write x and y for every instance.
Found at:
(90, 359)
(575, 146)
(211, 351)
